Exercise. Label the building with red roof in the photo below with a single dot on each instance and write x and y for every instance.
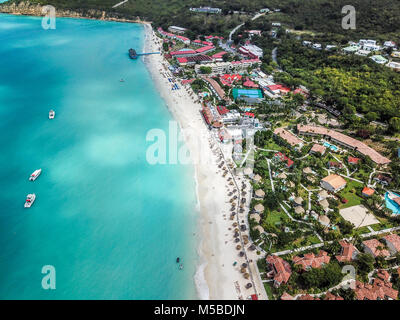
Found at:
(380, 289)
(310, 260)
(353, 160)
(330, 296)
(279, 156)
(205, 49)
(375, 248)
(250, 84)
(183, 53)
(222, 110)
(392, 242)
(279, 270)
(286, 296)
(218, 56)
(229, 79)
(317, 148)
(367, 192)
(348, 252)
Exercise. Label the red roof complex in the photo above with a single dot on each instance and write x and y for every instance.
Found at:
(278, 88)
(375, 248)
(218, 55)
(330, 296)
(217, 88)
(205, 49)
(380, 289)
(280, 270)
(344, 140)
(348, 252)
(228, 79)
(393, 242)
(368, 192)
(250, 84)
(187, 81)
(182, 53)
(310, 260)
(286, 296)
(288, 137)
(352, 160)
(284, 158)
(249, 114)
(222, 110)
(194, 59)
(317, 148)
(307, 297)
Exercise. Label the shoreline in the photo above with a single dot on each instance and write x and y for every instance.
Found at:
(216, 276)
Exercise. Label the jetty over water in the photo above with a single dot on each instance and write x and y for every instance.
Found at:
(134, 55)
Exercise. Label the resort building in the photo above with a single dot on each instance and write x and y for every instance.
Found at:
(353, 161)
(183, 53)
(216, 89)
(317, 148)
(394, 65)
(280, 157)
(348, 252)
(392, 242)
(379, 59)
(177, 30)
(375, 248)
(206, 10)
(380, 289)
(173, 36)
(279, 270)
(333, 183)
(251, 51)
(310, 260)
(334, 165)
(289, 137)
(205, 49)
(344, 141)
(367, 192)
(192, 60)
(383, 180)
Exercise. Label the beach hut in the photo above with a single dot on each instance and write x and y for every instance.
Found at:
(255, 216)
(282, 175)
(259, 208)
(259, 228)
(298, 201)
(324, 220)
(299, 210)
(307, 170)
(259, 193)
(324, 204)
(323, 195)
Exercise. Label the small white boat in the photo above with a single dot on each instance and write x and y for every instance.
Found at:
(30, 199)
(35, 174)
(52, 114)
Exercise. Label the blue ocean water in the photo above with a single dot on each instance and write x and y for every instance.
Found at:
(111, 224)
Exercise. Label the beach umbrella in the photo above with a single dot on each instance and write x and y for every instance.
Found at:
(245, 241)
(236, 230)
(246, 275)
(233, 209)
(241, 210)
(238, 247)
(243, 270)
(235, 224)
(241, 253)
(237, 240)
(252, 247)
(249, 285)
(244, 265)
(236, 235)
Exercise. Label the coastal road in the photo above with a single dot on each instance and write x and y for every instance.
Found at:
(240, 25)
(120, 3)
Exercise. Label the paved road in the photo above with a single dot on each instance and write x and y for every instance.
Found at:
(240, 25)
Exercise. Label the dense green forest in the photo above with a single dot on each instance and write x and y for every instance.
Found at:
(373, 17)
(351, 83)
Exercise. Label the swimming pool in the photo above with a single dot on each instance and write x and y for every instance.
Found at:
(391, 205)
(331, 146)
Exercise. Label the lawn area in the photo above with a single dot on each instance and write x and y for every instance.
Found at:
(268, 289)
(384, 224)
(275, 216)
(351, 197)
(365, 229)
(271, 145)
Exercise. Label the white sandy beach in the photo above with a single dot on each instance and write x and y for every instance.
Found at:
(217, 249)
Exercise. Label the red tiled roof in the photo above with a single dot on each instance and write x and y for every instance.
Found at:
(347, 251)
(381, 288)
(318, 148)
(310, 260)
(286, 296)
(222, 110)
(174, 53)
(330, 296)
(288, 136)
(353, 160)
(368, 191)
(206, 48)
(360, 147)
(373, 245)
(393, 239)
(281, 269)
(250, 84)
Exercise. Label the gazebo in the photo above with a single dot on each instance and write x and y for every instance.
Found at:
(255, 216)
(259, 208)
(259, 193)
(298, 201)
(257, 178)
(324, 220)
(299, 210)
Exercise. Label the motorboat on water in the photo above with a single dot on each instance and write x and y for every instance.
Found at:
(122, 80)
(30, 199)
(52, 114)
(180, 266)
(177, 260)
(35, 174)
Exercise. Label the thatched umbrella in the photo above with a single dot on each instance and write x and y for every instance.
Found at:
(298, 200)
(238, 247)
(241, 210)
(236, 230)
(231, 217)
(257, 178)
(245, 241)
(259, 193)
(236, 234)
(255, 216)
(259, 208)
(241, 253)
(235, 224)
(233, 209)
(249, 285)
(246, 275)
(243, 270)
(244, 265)
(237, 240)
(231, 183)
(245, 236)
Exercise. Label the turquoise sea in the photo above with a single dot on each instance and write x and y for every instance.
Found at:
(111, 224)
